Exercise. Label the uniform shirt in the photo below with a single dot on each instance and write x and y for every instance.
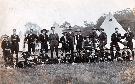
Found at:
(53, 37)
(70, 37)
(63, 39)
(43, 38)
(54, 40)
(115, 37)
(87, 43)
(16, 37)
(93, 36)
(31, 38)
(79, 38)
(129, 36)
(102, 36)
(5, 45)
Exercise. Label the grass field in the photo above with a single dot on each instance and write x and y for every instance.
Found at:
(87, 73)
(81, 73)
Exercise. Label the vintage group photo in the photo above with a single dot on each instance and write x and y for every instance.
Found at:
(44, 43)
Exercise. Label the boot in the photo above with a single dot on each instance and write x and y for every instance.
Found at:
(16, 58)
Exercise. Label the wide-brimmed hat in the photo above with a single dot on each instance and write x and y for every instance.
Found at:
(64, 32)
(116, 28)
(69, 28)
(78, 30)
(31, 29)
(94, 29)
(14, 30)
(44, 30)
(5, 36)
(52, 28)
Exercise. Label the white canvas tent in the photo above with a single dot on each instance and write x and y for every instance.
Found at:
(21, 43)
(109, 25)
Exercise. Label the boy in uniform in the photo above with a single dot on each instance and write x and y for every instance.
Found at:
(6, 49)
(15, 44)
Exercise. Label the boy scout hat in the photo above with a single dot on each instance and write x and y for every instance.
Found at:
(116, 28)
(14, 30)
(31, 29)
(52, 28)
(78, 30)
(5, 36)
(44, 30)
(69, 28)
(64, 32)
(94, 29)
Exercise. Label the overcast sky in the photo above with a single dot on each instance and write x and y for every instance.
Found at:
(16, 13)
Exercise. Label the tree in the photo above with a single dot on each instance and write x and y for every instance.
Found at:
(65, 25)
(126, 19)
(91, 24)
(36, 28)
(100, 21)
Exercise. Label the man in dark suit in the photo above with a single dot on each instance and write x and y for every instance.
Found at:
(93, 37)
(102, 39)
(87, 43)
(15, 44)
(87, 47)
(43, 38)
(70, 42)
(102, 42)
(115, 38)
(54, 42)
(79, 39)
(31, 39)
(63, 40)
(129, 36)
(6, 49)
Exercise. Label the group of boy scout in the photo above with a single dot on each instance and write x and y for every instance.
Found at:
(13, 47)
(68, 42)
(128, 44)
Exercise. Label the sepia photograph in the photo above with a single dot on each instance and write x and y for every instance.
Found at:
(67, 41)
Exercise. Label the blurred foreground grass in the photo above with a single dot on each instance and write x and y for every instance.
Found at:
(81, 73)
